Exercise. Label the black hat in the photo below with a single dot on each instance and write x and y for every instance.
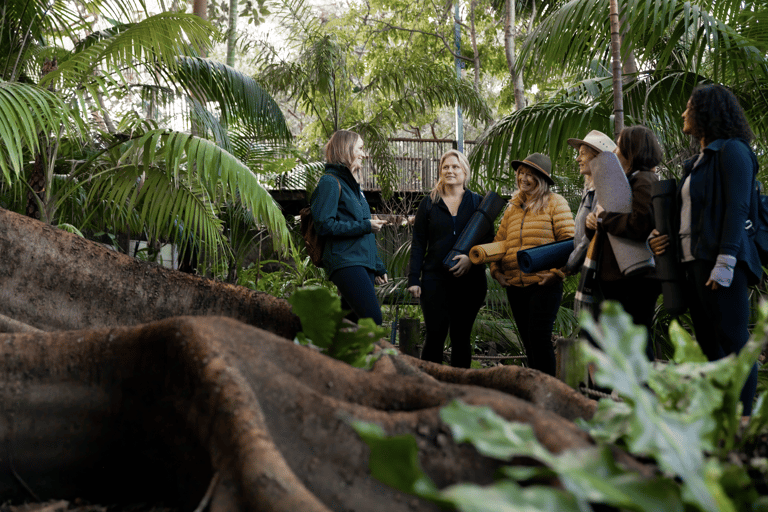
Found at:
(538, 162)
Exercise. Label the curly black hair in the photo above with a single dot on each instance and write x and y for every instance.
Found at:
(717, 114)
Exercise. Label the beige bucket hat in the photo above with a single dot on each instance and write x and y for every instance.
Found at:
(596, 140)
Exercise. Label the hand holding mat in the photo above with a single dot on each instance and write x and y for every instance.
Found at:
(477, 227)
(545, 257)
(486, 253)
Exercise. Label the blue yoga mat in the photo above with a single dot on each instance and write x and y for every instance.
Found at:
(478, 226)
(545, 257)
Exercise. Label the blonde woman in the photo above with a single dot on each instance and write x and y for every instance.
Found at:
(535, 216)
(588, 148)
(342, 215)
(450, 299)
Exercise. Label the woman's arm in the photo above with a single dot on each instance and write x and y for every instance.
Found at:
(738, 173)
(501, 236)
(563, 226)
(638, 223)
(325, 204)
(419, 242)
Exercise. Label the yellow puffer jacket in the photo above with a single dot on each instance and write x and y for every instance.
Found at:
(520, 229)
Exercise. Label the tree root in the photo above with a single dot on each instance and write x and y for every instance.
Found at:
(126, 407)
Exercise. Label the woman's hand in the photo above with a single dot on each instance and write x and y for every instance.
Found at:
(376, 225)
(380, 279)
(498, 276)
(591, 220)
(550, 278)
(462, 266)
(415, 291)
(658, 243)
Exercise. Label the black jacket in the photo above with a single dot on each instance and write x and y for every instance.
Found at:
(434, 235)
(721, 200)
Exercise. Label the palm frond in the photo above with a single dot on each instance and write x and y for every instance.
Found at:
(155, 42)
(240, 99)
(219, 173)
(28, 112)
(543, 127)
(423, 86)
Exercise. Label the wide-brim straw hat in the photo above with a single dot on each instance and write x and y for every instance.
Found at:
(537, 162)
(596, 140)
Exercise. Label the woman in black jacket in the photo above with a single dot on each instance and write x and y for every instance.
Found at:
(450, 299)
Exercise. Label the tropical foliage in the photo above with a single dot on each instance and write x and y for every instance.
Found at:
(683, 416)
(675, 45)
(88, 95)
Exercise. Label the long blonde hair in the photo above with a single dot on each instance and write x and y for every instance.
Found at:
(340, 149)
(439, 189)
(539, 202)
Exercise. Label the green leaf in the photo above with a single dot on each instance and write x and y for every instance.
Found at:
(490, 434)
(320, 313)
(395, 461)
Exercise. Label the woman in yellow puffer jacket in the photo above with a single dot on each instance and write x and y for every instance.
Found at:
(535, 216)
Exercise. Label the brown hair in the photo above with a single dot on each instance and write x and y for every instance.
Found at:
(640, 148)
(341, 147)
(439, 189)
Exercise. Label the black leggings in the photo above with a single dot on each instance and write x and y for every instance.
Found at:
(451, 304)
(535, 310)
(356, 286)
(720, 318)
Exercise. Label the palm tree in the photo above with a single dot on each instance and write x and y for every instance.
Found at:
(677, 44)
(327, 77)
(127, 170)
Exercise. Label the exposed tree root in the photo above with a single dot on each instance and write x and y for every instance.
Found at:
(54, 281)
(143, 404)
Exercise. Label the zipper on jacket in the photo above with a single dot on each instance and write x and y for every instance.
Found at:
(522, 223)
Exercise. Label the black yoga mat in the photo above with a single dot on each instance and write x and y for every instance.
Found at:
(545, 257)
(668, 271)
(477, 227)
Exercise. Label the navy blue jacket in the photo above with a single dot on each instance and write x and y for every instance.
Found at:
(721, 203)
(434, 235)
(342, 215)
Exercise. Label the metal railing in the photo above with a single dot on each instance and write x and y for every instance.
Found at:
(416, 161)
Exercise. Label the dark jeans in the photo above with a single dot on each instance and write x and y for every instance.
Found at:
(451, 305)
(720, 318)
(356, 286)
(638, 296)
(535, 310)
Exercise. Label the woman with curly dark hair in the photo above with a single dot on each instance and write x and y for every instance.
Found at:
(715, 195)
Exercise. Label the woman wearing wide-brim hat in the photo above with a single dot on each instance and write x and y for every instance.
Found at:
(535, 216)
(588, 148)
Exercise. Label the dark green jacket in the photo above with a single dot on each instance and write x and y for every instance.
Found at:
(342, 215)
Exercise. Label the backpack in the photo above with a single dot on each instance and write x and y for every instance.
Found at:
(314, 243)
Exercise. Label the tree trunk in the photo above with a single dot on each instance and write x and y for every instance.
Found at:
(509, 50)
(618, 100)
(127, 411)
(473, 38)
(232, 36)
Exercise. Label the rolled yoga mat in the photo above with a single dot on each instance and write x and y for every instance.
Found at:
(477, 227)
(486, 253)
(664, 201)
(545, 257)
